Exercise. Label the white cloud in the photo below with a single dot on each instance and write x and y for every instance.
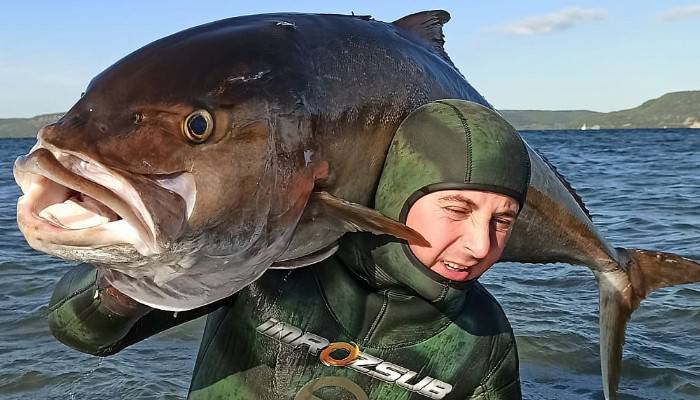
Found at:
(680, 12)
(553, 22)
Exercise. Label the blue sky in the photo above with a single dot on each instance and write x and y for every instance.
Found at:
(535, 55)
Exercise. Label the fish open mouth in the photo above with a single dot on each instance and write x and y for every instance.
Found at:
(79, 211)
(70, 200)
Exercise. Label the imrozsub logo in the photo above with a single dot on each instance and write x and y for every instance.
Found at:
(355, 359)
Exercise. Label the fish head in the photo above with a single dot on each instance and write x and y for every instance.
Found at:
(195, 146)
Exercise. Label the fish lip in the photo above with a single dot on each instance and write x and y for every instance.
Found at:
(69, 170)
(41, 234)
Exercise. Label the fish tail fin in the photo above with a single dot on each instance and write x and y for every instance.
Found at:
(622, 289)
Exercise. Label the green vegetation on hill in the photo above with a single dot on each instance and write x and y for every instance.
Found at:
(539, 120)
(25, 127)
(672, 110)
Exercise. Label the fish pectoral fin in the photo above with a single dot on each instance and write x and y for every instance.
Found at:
(308, 259)
(427, 25)
(356, 217)
(622, 290)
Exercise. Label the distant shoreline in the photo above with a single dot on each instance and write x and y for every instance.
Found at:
(670, 111)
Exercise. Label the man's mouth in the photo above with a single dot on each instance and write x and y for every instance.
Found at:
(453, 266)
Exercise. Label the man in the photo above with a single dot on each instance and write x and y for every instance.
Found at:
(378, 320)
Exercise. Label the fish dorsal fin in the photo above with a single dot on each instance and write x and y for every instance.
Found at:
(356, 217)
(427, 25)
(566, 184)
(362, 17)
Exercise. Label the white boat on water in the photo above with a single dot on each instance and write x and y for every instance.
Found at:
(593, 128)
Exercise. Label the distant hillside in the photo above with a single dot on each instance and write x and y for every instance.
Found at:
(25, 127)
(672, 110)
(542, 120)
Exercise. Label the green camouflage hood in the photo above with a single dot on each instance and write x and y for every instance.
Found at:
(452, 144)
(444, 145)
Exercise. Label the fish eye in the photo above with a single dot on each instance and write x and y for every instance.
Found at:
(198, 126)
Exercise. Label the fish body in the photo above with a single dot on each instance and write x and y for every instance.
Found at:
(194, 164)
(298, 103)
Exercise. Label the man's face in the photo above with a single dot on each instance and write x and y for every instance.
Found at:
(468, 230)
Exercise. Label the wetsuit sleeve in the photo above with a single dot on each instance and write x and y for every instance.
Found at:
(98, 320)
(503, 382)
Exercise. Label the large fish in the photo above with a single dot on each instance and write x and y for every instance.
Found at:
(192, 165)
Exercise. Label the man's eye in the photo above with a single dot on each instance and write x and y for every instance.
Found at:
(502, 224)
(457, 212)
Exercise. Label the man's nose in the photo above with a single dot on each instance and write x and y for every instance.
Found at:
(477, 239)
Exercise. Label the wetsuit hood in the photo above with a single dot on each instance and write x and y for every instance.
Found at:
(445, 145)
(452, 145)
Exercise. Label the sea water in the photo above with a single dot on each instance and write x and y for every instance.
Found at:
(641, 186)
